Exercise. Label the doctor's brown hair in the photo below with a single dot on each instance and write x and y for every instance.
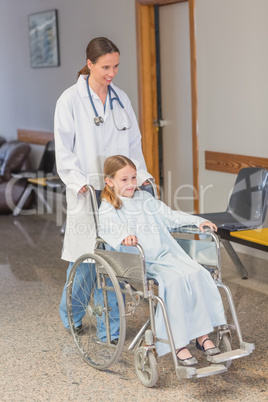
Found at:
(96, 48)
(111, 166)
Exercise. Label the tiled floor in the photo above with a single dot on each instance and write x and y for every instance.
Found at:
(39, 361)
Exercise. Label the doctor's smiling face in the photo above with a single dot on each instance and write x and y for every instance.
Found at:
(104, 70)
(124, 181)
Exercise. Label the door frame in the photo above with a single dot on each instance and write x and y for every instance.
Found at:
(147, 89)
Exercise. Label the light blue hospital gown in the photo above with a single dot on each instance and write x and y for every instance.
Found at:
(193, 302)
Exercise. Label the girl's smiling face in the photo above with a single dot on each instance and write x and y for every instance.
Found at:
(124, 182)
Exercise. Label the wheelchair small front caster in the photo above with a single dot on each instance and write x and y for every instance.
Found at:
(146, 366)
(224, 345)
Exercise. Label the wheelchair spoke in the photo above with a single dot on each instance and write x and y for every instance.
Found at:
(94, 299)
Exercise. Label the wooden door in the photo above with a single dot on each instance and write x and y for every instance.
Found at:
(147, 87)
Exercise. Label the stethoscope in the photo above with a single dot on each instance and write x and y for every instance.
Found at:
(98, 119)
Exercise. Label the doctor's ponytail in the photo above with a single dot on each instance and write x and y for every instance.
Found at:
(84, 71)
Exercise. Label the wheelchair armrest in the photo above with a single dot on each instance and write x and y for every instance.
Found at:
(193, 230)
(194, 246)
(99, 240)
(196, 231)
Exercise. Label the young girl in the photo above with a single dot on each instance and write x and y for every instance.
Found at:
(192, 300)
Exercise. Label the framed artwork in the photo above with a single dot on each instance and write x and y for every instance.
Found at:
(43, 36)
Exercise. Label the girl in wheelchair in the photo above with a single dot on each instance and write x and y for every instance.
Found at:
(192, 299)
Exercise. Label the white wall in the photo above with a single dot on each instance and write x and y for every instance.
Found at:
(175, 103)
(28, 95)
(232, 86)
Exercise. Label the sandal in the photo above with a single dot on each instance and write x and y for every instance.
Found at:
(189, 361)
(210, 351)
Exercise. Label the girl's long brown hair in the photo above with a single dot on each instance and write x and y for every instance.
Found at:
(111, 167)
(96, 48)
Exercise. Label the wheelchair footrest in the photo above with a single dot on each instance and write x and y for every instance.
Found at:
(210, 370)
(231, 355)
(192, 372)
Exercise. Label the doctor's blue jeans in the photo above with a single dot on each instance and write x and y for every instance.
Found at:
(79, 312)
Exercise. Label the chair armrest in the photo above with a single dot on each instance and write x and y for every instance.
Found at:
(15, 154)
(24, 175)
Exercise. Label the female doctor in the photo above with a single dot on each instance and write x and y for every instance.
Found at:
(94, 119)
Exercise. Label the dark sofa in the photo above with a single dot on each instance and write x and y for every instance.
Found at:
(14, 158)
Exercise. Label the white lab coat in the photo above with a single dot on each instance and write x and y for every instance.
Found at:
(81, 149)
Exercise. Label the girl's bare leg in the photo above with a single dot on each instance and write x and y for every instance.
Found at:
(208, 344)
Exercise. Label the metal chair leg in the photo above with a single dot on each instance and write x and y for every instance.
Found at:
(25, 196)
(236, 260)
(23, 200)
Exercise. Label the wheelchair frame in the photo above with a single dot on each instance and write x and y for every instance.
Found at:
(112, 269)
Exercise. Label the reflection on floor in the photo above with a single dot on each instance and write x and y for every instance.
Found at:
(39, 361)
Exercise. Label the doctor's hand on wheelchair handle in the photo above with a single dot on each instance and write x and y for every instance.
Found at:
(83, 189)
(209, 224)
(130, 241)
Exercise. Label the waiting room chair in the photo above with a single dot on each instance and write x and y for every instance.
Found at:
(46, 167)
(14, 160)
(246, 208)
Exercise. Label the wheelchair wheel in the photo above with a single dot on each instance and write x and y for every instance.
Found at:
(147, 374)
(95, 310)
(224, 345)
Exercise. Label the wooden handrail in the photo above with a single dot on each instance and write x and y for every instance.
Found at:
(35, 137)
(232, 163)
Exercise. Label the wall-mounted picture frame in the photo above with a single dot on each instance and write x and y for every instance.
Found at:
(43, 36)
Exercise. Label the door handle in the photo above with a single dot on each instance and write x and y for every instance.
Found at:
(160, 123)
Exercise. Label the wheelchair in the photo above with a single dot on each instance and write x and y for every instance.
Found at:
(107, 287)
